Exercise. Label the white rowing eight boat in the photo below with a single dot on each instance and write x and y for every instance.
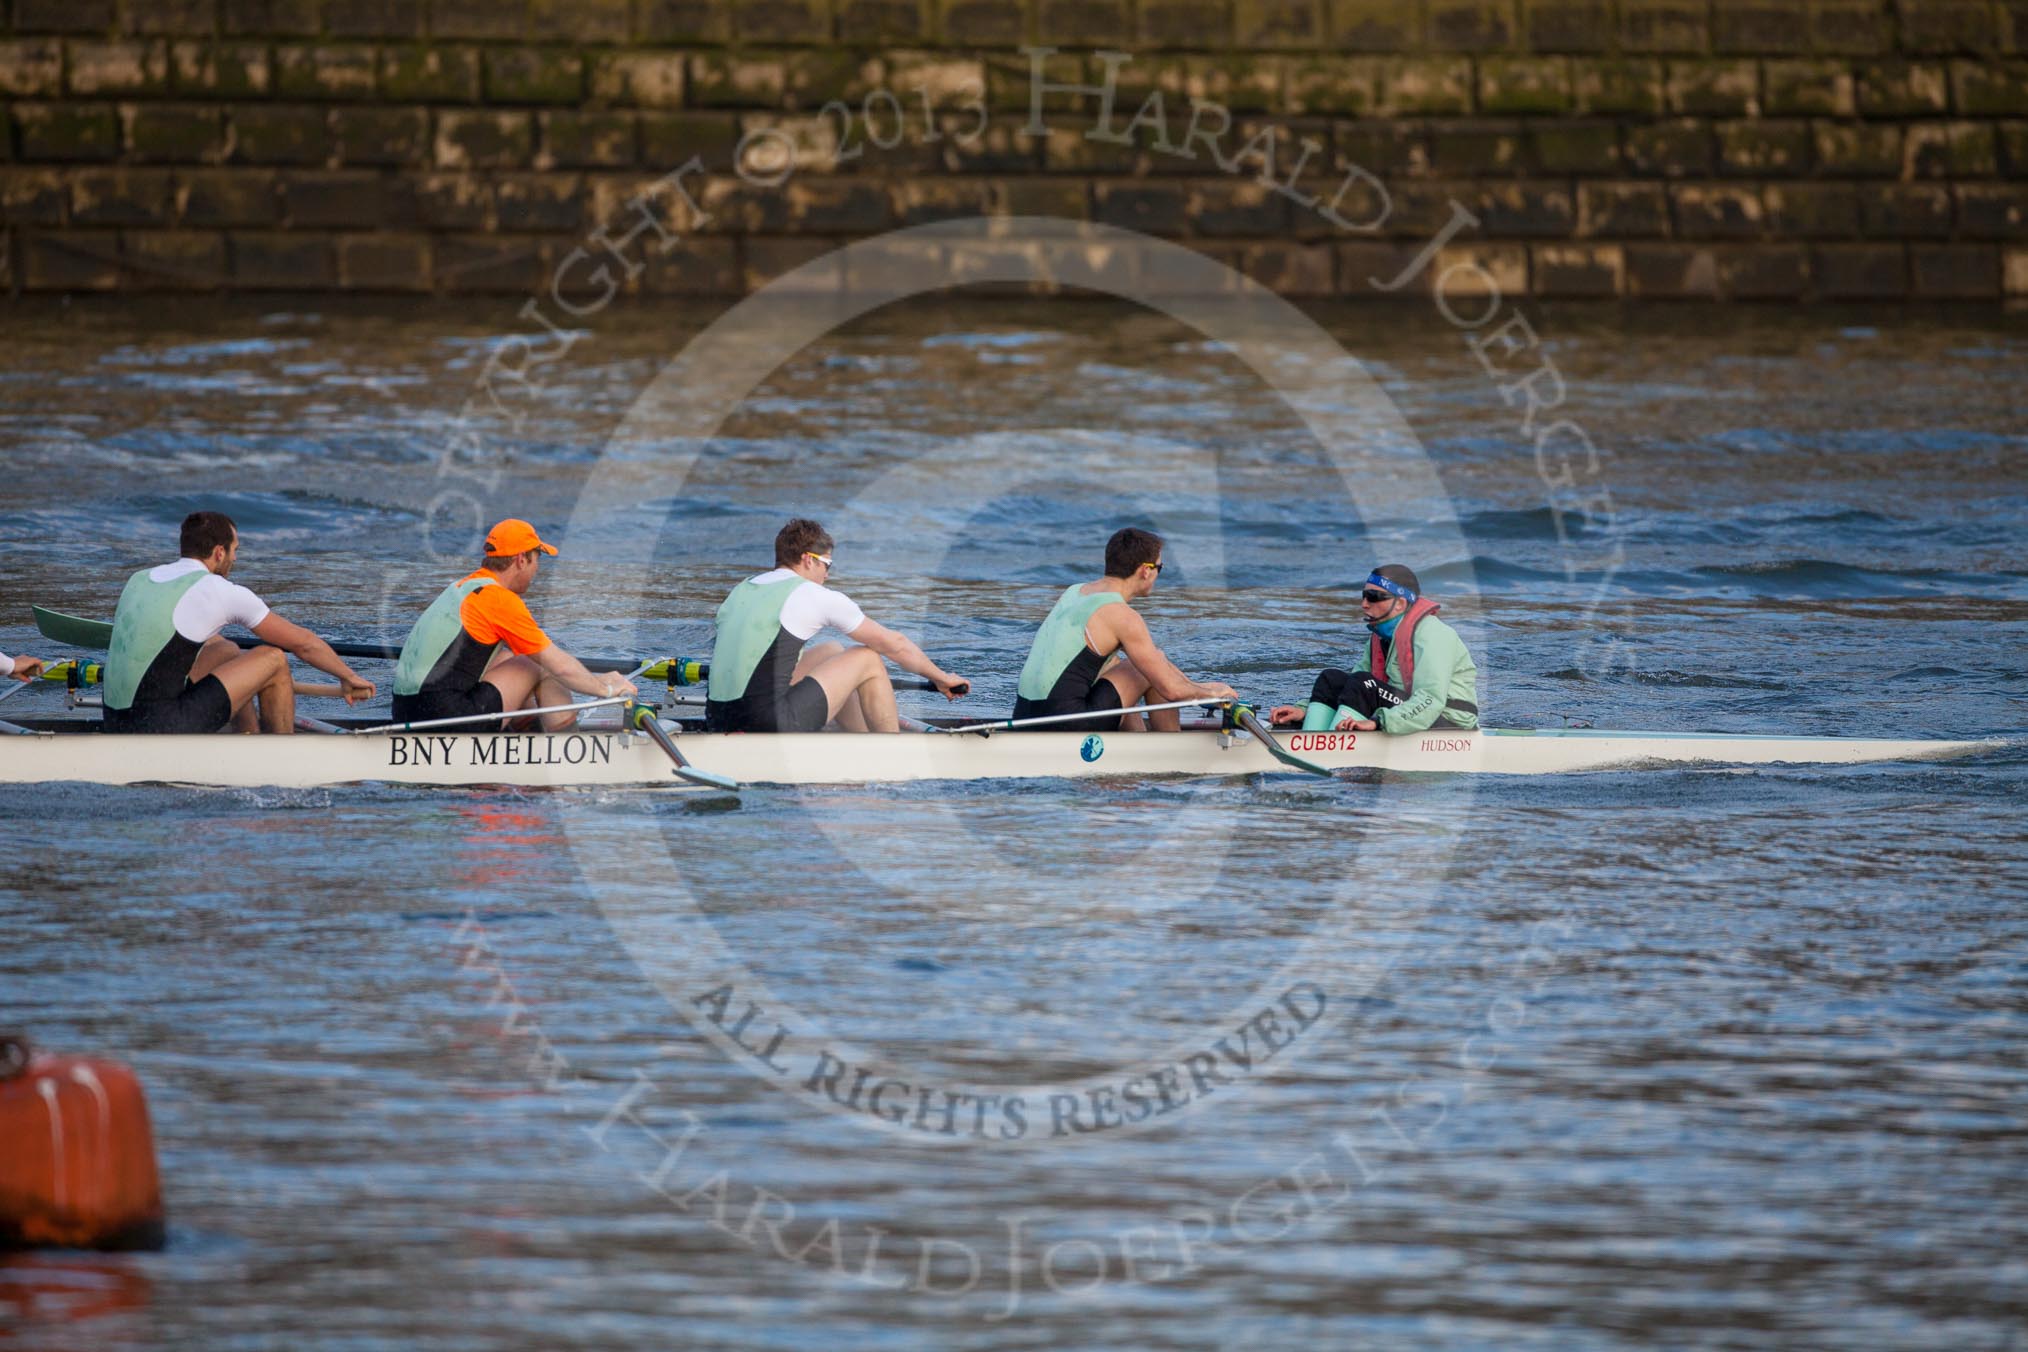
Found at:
(73, 750)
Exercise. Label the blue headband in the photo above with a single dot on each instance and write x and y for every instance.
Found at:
(1389, 585)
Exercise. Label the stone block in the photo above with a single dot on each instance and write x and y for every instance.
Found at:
(1523, 210)
(1243, 84)
(813, 78)
(173, 133)
(997, 150)
(488, 264)
(921, 201)
(1760, 27)
(1471, 25)
(1675, 26)
(2013, 19)
(695, 267)
(270, 18)
(1458, 149)
(945, 80)
(279, 135)
(1184, 23)
(1941, 27)
(484, 139)
(671, 139)
(1949, 150)
(1990, 88)
(729, 80)
(119, 197)
(173, 18)
(69, 260)
(347, 199)
(1812, 210)
(1383, 147)
(31, 68)
(781, 20)
(328, 72)
(1349, 85)
(1764, 148)
(1567, 25)
(1297, 271)
(1807, 89)
(64, 16)
(1714, 88)
(173, 260)
(455, 201)
(100, 68)
(982, 23)
(1955, 271)
(1683, 148)
(587, 140)
(875, 22)
(221, 197)
(435, 74)
(1857, 149)
(1671, 272)
(1524, 85)
(539, 202)
(2014, 264)
(1082, 23)
(487, 20)
(1716, 211)
(1992, 210)
(229, 70)
(1634, 87)
(651, 79)
(1152, 207)
(33, 196)
(1235, 207)
(1764, 272)
(1904, 210)
(1364, 266)
(1902, 89)
(535, 75)
(67, 131)
(695, 21)
(1066, 199)
(1277, 25)
(1577, 271)
(583, 21)
(383, 136)
(1860, 271)
(1479, 272)
(765, 260)
(373, 18)
(280, 260)
(1436, 85)
(384, 262)
(1574, 146)
(1373, 26)
(1623, 210)
(739, 208)
(837, 206)
(1849, 27)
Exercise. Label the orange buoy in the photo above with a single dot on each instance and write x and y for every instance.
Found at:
(77, 1161)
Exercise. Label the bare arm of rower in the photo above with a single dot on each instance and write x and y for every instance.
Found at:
(299, 642)
(1166, 681)
(574, 676)
(901, 650)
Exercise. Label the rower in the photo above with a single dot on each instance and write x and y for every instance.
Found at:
(1094, 653)
(168, 668)
(20, 668)
(1417, 673)
(764, 680)
(477, 650)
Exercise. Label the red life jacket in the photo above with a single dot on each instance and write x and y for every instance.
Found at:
(1403, 643)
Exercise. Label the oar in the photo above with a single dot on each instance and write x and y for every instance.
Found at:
(1243, 715)
(1003, 724)
(645, 720)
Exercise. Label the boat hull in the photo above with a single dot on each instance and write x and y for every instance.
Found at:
(613, 758)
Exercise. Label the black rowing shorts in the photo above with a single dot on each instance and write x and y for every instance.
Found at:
(1102, 698)
(483, 698)
(203, 706)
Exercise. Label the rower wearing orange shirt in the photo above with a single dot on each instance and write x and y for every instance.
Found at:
(477, 650)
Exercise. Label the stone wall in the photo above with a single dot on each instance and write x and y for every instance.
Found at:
(1749, 149)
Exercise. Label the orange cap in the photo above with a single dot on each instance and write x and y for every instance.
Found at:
(514, 536)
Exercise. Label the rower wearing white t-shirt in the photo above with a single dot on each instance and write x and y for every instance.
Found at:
(169, 670)
(762, 679)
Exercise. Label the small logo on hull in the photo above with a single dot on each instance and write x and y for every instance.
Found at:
(1094, 747)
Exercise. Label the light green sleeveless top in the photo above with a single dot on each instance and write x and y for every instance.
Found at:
(143, 625)
(749, 622)
(433, 635)
(1061, 638)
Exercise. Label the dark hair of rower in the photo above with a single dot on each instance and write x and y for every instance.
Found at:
(204, 532)
(1129, 548)
(1400, 574)
(801, 536)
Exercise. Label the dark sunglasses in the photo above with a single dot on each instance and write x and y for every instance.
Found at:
(1374, 598)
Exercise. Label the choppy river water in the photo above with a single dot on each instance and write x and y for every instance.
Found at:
(1691, 1057)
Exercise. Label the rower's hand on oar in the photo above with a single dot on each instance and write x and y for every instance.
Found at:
(27, 668)
(951, 687)
(1357, 725)
(616, 684)
(1285, 715)
(355, 689)
(1219, 692)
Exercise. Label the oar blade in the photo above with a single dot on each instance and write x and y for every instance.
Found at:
(645, 720)
(71, 630)
(1274, 747)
